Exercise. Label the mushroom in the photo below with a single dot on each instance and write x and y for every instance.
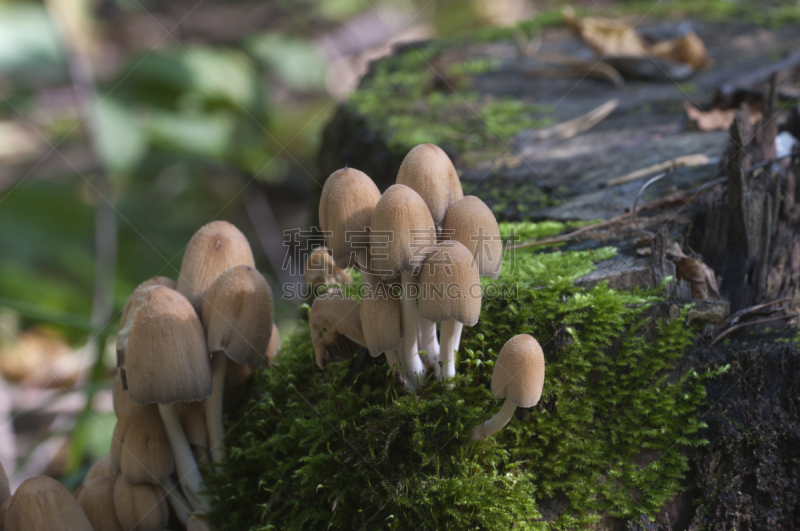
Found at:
(4, 512)
(321, 269)
(213, 249)
(237, 306)
(334, 320)
(380, 317)
(121, 397)
(97, 501)
(518, 377)
(472, 223)
(193, 421)
(450, 294)
(345, 206)
(167, 362)
(140, 506)
(140, 448)
(43, 504)
(274, 346)
(125, 321)
(5, 489)
(428, 170)
(402, 233)
(101, 468)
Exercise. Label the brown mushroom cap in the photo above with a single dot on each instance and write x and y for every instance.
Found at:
(4, 512)
(381, 318)
(167, 358)
(402, 232)
(140, 447)
(140, 507)
(472, 223)
(126, 321)
(214, 248)
(450, 287)
(348, 198)
(237, 315)
(43, 504)
(518, 373)
(335, 327)
(121, 398)
(97, 501)
(430, 172)
(193, 421)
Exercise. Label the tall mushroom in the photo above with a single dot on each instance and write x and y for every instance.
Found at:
(167, 362)
(402, 233)
(335, 322)
(381, 317)
(237, 315)
(214, 248)
(450, 294)
(518, 377)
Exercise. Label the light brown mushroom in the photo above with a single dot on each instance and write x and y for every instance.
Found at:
(472, 223)
(450, 293)
(43, 504)
(167, 362)
(381, 316)
(140, 447)
(140, 506)
(518, 377)
(346, 204)
(4, 512)
(429, 171)
(213, 249)
(238, 305)
(5, 489)
(121, 397)
(336, 328)
(97, 501)
(126, 322)
(193, 421)
(402, 233)
(102, 467)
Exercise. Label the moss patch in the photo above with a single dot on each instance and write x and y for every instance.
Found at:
(349, 448)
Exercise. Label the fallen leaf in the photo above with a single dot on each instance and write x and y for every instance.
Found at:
(606, 36)
(715, 119)
(699, 276)
(688, 49)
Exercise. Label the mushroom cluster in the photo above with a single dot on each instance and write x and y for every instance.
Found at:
(421, 248)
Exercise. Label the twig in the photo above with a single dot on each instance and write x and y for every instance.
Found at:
(636, 202)
(567, 237)
(578, 125)
(751, 323)
(696, 159)
(734, 317)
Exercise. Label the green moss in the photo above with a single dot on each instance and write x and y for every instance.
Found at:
(351, 449)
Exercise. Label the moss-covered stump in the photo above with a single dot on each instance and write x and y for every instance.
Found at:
(351, 449)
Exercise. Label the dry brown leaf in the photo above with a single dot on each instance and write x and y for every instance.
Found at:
(606, 36)
(699, 276)
(687, 49)
(715, 119)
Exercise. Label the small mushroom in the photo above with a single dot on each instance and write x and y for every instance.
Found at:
(97, 501)
(472, 223)
(140, 447)
(238, 305)
(402, 233)
(167, 362)
(43, 504)
(518, 377)
(213, 249)
(450, 293)
(101, 468)
(335, 327)
(140, 506)
(345, 207)
(381, 317)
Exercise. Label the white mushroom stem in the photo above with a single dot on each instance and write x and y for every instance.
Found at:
(451, 337)
(213, 406)
(393, 360)
(428, 342)
(177, 500)
(188, 474)
(494, 424)
(412, 363)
